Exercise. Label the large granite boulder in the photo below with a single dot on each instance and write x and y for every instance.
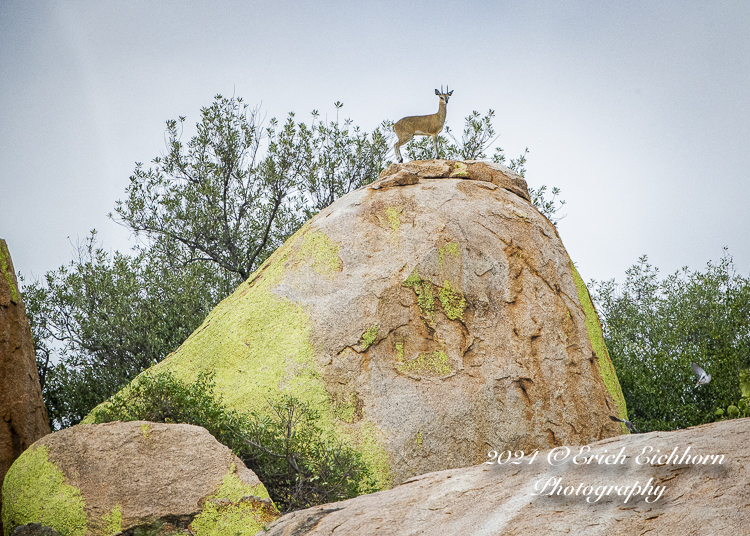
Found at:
(98, 480)
(23, 415)
(691, 482)
(426, 317)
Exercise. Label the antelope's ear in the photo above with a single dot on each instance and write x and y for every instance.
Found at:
(437, 92)
(451, 93)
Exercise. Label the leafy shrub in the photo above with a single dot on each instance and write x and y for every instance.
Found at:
(303, 464)
(300, 464)
(654, 329)
(742, 408)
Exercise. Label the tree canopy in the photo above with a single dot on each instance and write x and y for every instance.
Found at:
(654, 329)
(103, 318)
(218, 198)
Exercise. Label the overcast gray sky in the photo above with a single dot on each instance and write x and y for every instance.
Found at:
(638, 111)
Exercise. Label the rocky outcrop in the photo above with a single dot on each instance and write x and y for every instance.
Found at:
(97, 480)
(691, 482)
(23, 415)
(474, 170)
(425, 317)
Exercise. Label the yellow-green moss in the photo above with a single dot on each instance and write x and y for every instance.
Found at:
(419, 439)
(237, 519)
(427, 363)
(321, 253)
(400, 351)
(460, 169)
(113, 521)
(369, 336)
(425, 296)
(345, 408)
(231, 510)
(451, 248)
(34, 491)
(368, 441)
(5, 268)
(413, 279)
(453, 302)
(393, 215)
(594, 327)
(146, 430)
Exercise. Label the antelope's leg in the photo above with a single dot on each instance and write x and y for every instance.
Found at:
(403, 139)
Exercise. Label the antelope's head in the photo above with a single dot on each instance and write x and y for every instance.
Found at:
(444, 95)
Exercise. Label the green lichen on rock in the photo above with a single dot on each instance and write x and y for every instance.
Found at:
(321, 253)
(460, 169)
(413, 279)
(369, 443)
(393, 216)
(238, 519)
(430, 363)
(234, 508)
(453, 302)
(419, 439)
(594, 328)
(113, 520)
(345, 408)
(31, 477)
(369, 336)
(425, 295)
(451, 248)
(5, 268)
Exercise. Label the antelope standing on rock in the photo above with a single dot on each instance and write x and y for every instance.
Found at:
(422, 125)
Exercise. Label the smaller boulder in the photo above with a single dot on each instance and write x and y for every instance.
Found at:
(99, 480)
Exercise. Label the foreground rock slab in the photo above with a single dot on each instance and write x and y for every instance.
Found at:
(23, 417)
(692, 482)
(98, 480)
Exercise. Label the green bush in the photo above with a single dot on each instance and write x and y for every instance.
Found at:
(655, 328)
(300, 465)
(742, 408)
(294, 457)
